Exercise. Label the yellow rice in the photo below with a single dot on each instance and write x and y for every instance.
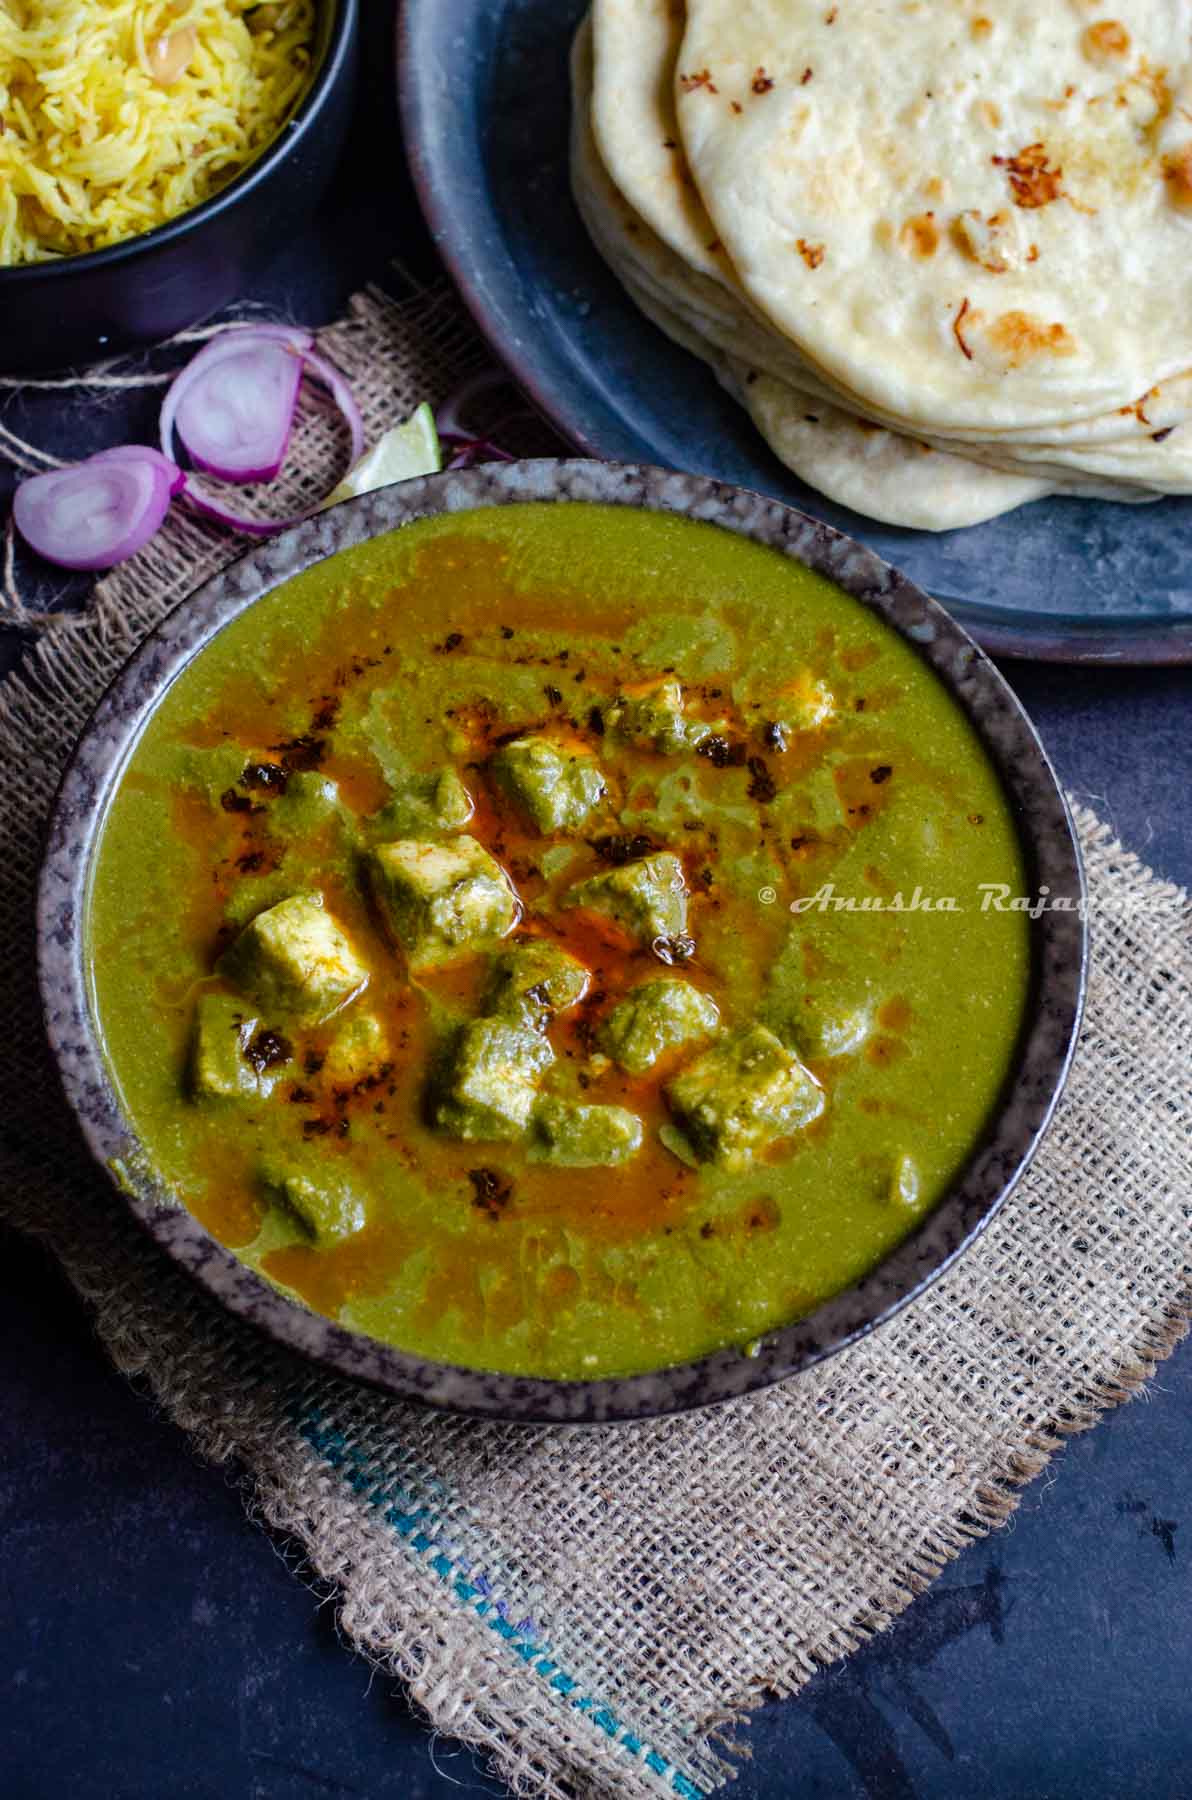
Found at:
(94, 149)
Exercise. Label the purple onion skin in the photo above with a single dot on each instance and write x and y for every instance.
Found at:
(135, 506)
(142, 491)
(301, 345)
(245, 477)
(271, 361)
(135, 453)
(222, 515)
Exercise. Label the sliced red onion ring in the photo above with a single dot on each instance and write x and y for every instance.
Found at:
(233, 407)
(344, 398)
(135, 453)
(236, 422)
(203, 503)
(260, 343)
(233, 404)
(95, 513)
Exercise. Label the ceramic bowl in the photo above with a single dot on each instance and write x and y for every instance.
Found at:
(1012, 1134)
(83, 308)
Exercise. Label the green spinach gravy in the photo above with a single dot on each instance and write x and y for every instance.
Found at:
(465, 939)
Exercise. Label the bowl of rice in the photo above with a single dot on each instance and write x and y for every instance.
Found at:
(152, 153)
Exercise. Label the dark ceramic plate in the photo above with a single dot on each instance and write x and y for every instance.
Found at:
(485, 99)
(1058, 939)
(54, 314)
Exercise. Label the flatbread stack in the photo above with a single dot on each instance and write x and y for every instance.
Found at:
(940, 250)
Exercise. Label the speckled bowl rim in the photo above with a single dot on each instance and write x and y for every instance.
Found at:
(1059, 941)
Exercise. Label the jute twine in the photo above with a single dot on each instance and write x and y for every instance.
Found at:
(595, 1609)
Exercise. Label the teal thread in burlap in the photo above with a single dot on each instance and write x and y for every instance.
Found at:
(410, 1521)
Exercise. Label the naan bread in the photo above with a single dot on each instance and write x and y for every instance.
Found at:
(872, 471)
(852, 460)
(973, 216)
(636, 44)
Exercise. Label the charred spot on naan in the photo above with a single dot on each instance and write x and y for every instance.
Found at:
(1177, 173)
(1033, 181)
(1011, 339)
(920, 236)
(1020, 337)
(1107, 41)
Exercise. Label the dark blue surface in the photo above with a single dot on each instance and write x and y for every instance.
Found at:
(158, 1644)
(488, 98)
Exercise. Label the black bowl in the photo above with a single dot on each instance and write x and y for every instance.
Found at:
(56, 314)
(1013, 1132)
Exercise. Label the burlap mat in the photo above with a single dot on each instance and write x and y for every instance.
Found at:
(593, 1609)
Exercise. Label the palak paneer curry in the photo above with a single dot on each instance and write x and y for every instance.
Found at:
(549, 939)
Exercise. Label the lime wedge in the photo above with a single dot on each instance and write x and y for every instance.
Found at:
(400, 454)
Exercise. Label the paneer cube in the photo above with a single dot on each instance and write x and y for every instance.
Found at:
(295, 961)
(807, 704)
(424, 805)
(646, 899)
(583, 1137)
(326, 1206)
(233, 1056)
(651, 717)
(441, 901)
(820, 1027)
(534, 980)
(358, 1049)
(490, 1086)
(654, 1018)
(557, 786)
(740, 1096)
